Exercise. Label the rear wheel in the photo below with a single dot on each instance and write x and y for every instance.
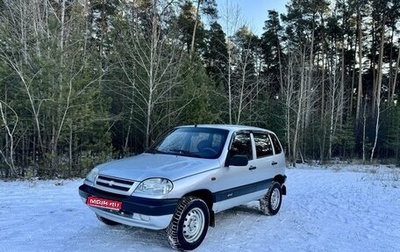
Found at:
(189, 225)
(107, 221)
(271, 202)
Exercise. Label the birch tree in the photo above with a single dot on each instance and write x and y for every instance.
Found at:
(245, 90)
(209, 8)
(231, 20)
(152, 68)
(52, 76)
(378, 81)
(9, 123)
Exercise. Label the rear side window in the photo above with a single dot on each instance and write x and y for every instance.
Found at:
(263, 145)
(276, 143)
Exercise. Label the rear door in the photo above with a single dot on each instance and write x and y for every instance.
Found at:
(266, 163)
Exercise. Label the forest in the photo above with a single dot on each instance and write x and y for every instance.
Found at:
(83, 82)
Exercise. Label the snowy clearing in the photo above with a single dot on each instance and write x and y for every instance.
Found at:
(350, 208)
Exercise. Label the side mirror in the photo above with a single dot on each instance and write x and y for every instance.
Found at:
(238, 160)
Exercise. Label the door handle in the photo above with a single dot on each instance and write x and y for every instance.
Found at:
(252, 168)
(274, 163)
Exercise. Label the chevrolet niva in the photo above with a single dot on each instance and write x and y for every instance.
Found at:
(188, 176)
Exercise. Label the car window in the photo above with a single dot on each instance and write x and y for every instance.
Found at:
(207, 140)
(196, 142)
(173, 141)
(263, 145)
(241, 145)
(276, 143)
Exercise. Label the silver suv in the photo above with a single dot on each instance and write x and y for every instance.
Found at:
(188, 176)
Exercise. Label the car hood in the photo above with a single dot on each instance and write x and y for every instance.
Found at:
(149, 165)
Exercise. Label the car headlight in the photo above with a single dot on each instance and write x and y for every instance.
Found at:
(155, 186)
(92, 175)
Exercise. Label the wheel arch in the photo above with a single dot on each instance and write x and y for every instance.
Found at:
(207, 197)
(281, 180)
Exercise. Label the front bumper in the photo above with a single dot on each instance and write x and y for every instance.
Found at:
(135, 211)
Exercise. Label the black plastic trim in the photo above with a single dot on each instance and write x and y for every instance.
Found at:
(133, 204)
(241, 190)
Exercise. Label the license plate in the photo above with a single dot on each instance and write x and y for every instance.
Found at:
(104, 203)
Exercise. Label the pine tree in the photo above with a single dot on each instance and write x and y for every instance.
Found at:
(216, 55)
(272, 52)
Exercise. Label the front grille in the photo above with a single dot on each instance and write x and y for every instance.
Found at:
(114, 183)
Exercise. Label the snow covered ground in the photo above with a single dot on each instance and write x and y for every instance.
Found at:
(350, 208)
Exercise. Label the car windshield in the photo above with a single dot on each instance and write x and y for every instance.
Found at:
(192, 141)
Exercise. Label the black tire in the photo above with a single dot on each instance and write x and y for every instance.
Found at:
(107, 221)
(271, 202)
(189, 224)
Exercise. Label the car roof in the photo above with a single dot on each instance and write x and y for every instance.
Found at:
(230, 127)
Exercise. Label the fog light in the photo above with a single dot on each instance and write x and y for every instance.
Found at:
(144, 217)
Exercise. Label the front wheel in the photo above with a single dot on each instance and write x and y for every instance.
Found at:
(271, 202)
(189, 224)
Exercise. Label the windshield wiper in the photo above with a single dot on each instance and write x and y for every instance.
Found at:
(185, 152)
(154, 151)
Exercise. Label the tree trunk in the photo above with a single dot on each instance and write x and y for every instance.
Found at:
(196, 23)
(360, 60)
(378, 88)
(151, 73)
(364, 131)
(301, 95)
(396, 73)
(9, 156)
